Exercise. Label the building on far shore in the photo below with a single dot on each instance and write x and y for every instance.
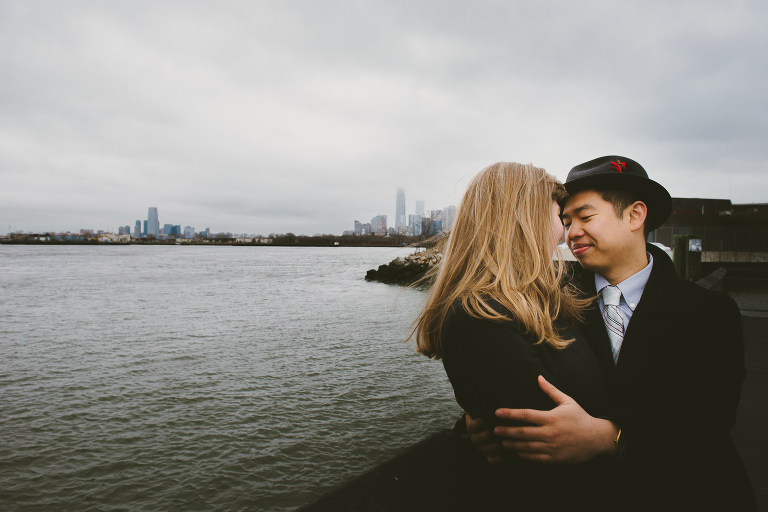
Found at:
(153, 223)
(400, 211)
(723, 226)
(114, 239)
(379, 225)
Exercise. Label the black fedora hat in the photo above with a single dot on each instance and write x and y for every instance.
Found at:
(619, 173)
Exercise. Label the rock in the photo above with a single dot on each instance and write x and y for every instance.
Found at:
(406, 271)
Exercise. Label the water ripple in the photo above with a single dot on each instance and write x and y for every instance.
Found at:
(170, 378)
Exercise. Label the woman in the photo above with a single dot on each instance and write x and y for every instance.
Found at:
(499, 315)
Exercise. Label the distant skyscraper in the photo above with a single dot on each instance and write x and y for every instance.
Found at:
(189, 232)
(420, 207)
(379, 225)
(431, 227)
(153, 224)
(358, 228)
(448, 217)
(400, 210)
(137, 230)
(144, 233)
(414, 221)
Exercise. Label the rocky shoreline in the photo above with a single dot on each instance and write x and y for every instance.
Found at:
(408, 270)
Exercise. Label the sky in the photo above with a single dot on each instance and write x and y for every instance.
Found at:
(304, 116)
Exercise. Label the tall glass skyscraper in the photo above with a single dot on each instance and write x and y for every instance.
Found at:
(153, 224)
(400, 210)
(137, 230)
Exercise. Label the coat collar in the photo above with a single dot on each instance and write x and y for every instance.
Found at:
(656, 294)
(643, 331)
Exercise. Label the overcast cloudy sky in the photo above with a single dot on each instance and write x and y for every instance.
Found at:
(302, 116)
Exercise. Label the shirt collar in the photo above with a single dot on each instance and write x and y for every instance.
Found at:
(632, 287)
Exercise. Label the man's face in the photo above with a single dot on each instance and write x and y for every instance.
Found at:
(596, 236)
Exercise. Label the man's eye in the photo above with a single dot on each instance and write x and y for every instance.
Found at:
(566, 226)
(586, 217)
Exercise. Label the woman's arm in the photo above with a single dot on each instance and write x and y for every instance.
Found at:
(492, 365)
(565, 435)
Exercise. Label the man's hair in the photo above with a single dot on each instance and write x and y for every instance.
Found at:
(620, 200)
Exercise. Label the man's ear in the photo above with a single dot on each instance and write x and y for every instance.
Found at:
(637, 212)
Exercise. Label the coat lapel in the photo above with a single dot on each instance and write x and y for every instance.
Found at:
(647, 331)
(597, 336)
(594, 329)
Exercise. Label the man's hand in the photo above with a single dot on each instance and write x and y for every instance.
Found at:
(564, 435)
(483, 439)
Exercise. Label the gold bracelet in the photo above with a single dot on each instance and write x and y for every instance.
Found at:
(616, 442)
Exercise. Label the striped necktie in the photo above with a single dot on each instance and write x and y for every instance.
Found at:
(612, 318)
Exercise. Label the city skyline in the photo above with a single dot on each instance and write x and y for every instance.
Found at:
(151, 225)
(295, 117)
(441, 218)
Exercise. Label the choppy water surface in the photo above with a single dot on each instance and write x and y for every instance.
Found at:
(203, 378)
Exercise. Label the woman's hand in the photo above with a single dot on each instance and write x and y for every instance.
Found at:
(565, 435)
(483, 439)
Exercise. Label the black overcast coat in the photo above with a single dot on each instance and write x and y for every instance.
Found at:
(675, 390)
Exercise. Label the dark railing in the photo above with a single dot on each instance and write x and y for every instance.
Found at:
(434, 475)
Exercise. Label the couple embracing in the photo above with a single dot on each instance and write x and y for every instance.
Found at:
(612, 385)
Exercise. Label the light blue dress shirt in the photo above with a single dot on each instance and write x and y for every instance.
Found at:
(631, 291)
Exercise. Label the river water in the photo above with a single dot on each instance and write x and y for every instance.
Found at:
(203, 378)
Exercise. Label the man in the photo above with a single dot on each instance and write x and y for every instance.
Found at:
(671, 352)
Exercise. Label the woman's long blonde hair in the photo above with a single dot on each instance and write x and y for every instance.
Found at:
(501, 251)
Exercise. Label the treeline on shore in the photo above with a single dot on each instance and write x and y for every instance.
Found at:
(282, 240)
(290, 239)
